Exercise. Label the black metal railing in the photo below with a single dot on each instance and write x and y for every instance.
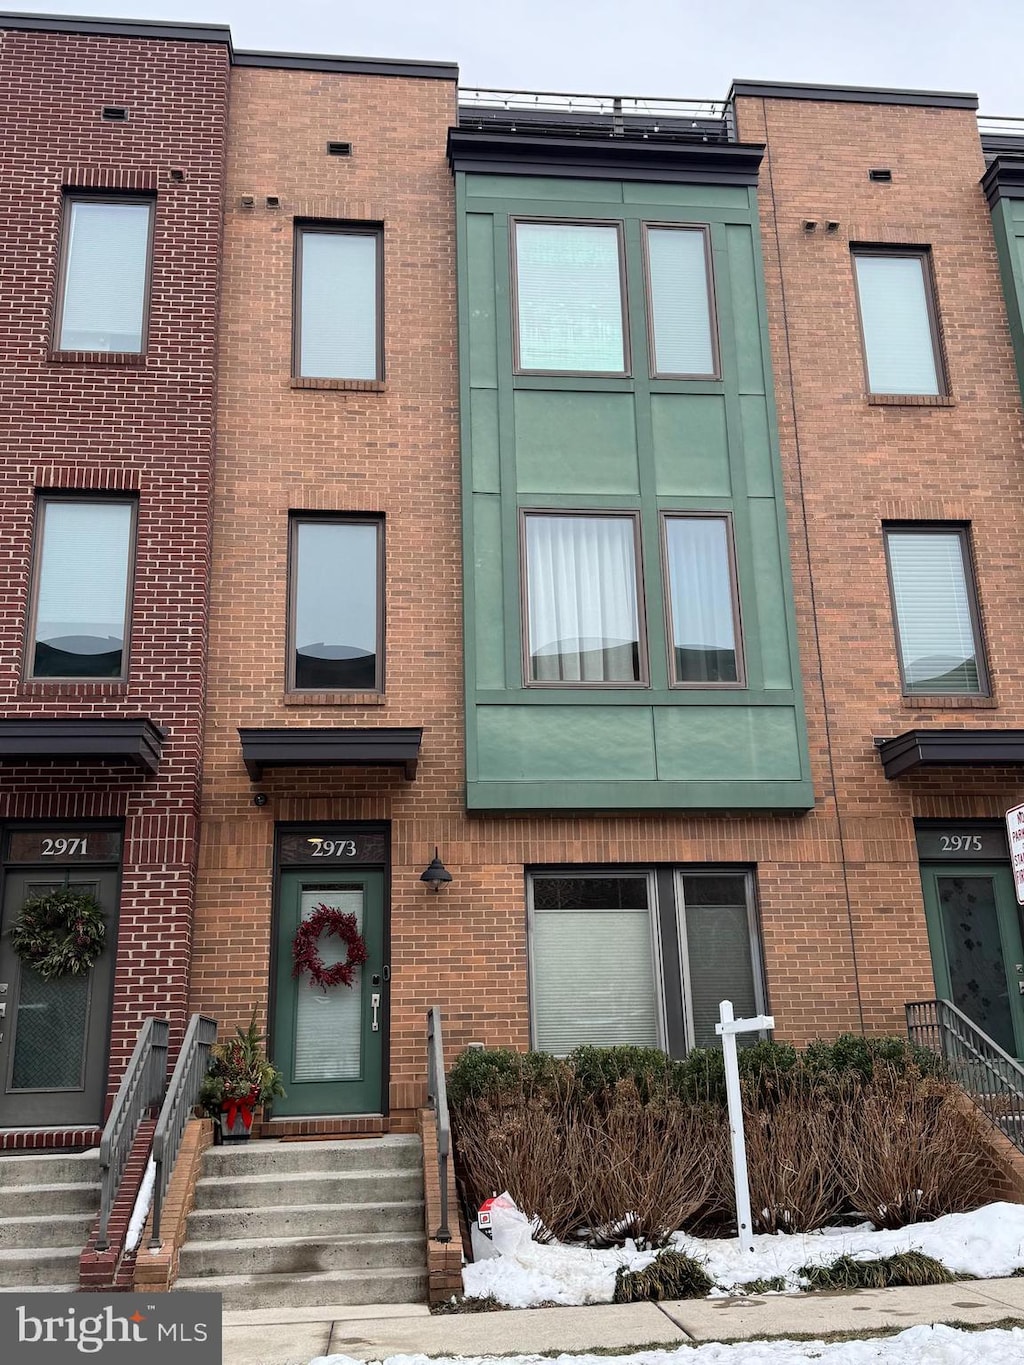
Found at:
(556, 113)
(437, 1097)
(991, 1077)
(141, 1089)
(180, 1100)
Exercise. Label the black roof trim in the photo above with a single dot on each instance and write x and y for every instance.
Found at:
(853, 94)
(693, 163)
(119, 28)
(1004, 178)
(129, 739)
(994, 143)
(353, 66)
(352, 746)
(951, 748)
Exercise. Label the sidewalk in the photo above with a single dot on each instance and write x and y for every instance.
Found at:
(274, 1336)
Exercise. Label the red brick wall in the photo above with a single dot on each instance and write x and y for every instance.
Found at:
(145, 429)
(851, 464)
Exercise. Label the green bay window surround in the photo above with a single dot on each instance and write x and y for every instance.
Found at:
(935, 611)
(682, 335)
(569, 297)
(338, 303)
(640, 957)
(898, 322)
(336, 621)
(104, 281)
(79, 620)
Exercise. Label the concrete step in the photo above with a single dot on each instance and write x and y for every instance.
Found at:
(34, 1201)
(313, 1290)
(41, 1288)
(307, 1187)
(75, 1168)
(303, 1255)
(305, 1220)
(396, 1152)
(38, 1266)
(53, 1230)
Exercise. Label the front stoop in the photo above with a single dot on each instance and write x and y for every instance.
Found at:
(48, 1205)
(309, 1224)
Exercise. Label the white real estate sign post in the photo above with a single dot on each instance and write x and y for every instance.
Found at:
(728, 1029)
(1015, 835)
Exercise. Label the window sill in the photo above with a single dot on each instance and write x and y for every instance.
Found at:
(126, 359)
(948, 703)
(911, 400)
(333, 699)
(344, 385)
(73, 687)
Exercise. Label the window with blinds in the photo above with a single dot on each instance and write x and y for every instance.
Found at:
(569, 298)
(338, 303)
(104, 275)
(894, 291)
(80, 617)
(609, 950)
(679, 303)
(935, 611)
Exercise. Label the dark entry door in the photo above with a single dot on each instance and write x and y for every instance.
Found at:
(55, 1034)
(330, 1044)
(977, 954)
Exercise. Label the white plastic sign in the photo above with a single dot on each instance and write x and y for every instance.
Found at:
(1015, 836)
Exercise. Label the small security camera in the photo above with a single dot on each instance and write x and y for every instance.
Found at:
(259, 799)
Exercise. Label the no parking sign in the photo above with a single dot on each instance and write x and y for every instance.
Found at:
(1015, 835)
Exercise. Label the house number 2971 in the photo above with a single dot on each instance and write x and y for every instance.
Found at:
(333, 848)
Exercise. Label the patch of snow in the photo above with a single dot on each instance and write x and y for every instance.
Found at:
(988, 1243)
(917, 1346)
(141, 1210)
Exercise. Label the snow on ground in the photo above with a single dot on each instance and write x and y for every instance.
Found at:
(141, 1211)
(917, 1346)
(987, 1243)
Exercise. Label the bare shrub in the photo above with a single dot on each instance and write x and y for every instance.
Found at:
(792, 1157)
(647, 1168)
(911, 1151)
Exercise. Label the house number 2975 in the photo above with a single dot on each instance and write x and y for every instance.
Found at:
(333, 848)
(960, 843)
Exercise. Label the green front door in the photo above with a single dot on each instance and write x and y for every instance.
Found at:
(330, 1044)
(974, 927)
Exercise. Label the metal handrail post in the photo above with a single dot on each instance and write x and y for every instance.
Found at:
(437, 1096)
(180, 1100)
(141, 1088)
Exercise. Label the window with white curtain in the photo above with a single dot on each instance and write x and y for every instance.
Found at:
(104, 275)
(702, 602)
(935, 612)
(679, 300)
(83, 564)
(894, 290)
(582, 614)
(569, 298)
(641, 957)
(337, 298)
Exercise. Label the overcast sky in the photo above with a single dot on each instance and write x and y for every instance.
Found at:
(667, 48)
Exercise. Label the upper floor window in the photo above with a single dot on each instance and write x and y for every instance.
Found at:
(338, 291)
(582, 599)
(679, 307)
(935, 609)
(336, 632)
(898, 321)
(703, 608)
(79, 619)
(103, 299)
(569, 298)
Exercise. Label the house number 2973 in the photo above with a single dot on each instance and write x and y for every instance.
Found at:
(333, 848)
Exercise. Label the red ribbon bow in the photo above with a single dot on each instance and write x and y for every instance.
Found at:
(241, 1107)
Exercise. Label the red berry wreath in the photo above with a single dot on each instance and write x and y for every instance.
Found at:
(325, 919)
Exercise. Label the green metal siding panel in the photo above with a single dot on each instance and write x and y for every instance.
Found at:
(574, 191)
(575, 442)
(745, 299)
(727, 744)
(757, 446)
(769, 586)
(488, 595)
(794, 797)
(484, 445)
(696, 197)
(593, 744)
(691, 453)
(482, 352)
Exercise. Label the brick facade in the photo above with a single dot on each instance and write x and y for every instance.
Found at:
(138, 425)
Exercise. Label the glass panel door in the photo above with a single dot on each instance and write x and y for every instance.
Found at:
(976, 946)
